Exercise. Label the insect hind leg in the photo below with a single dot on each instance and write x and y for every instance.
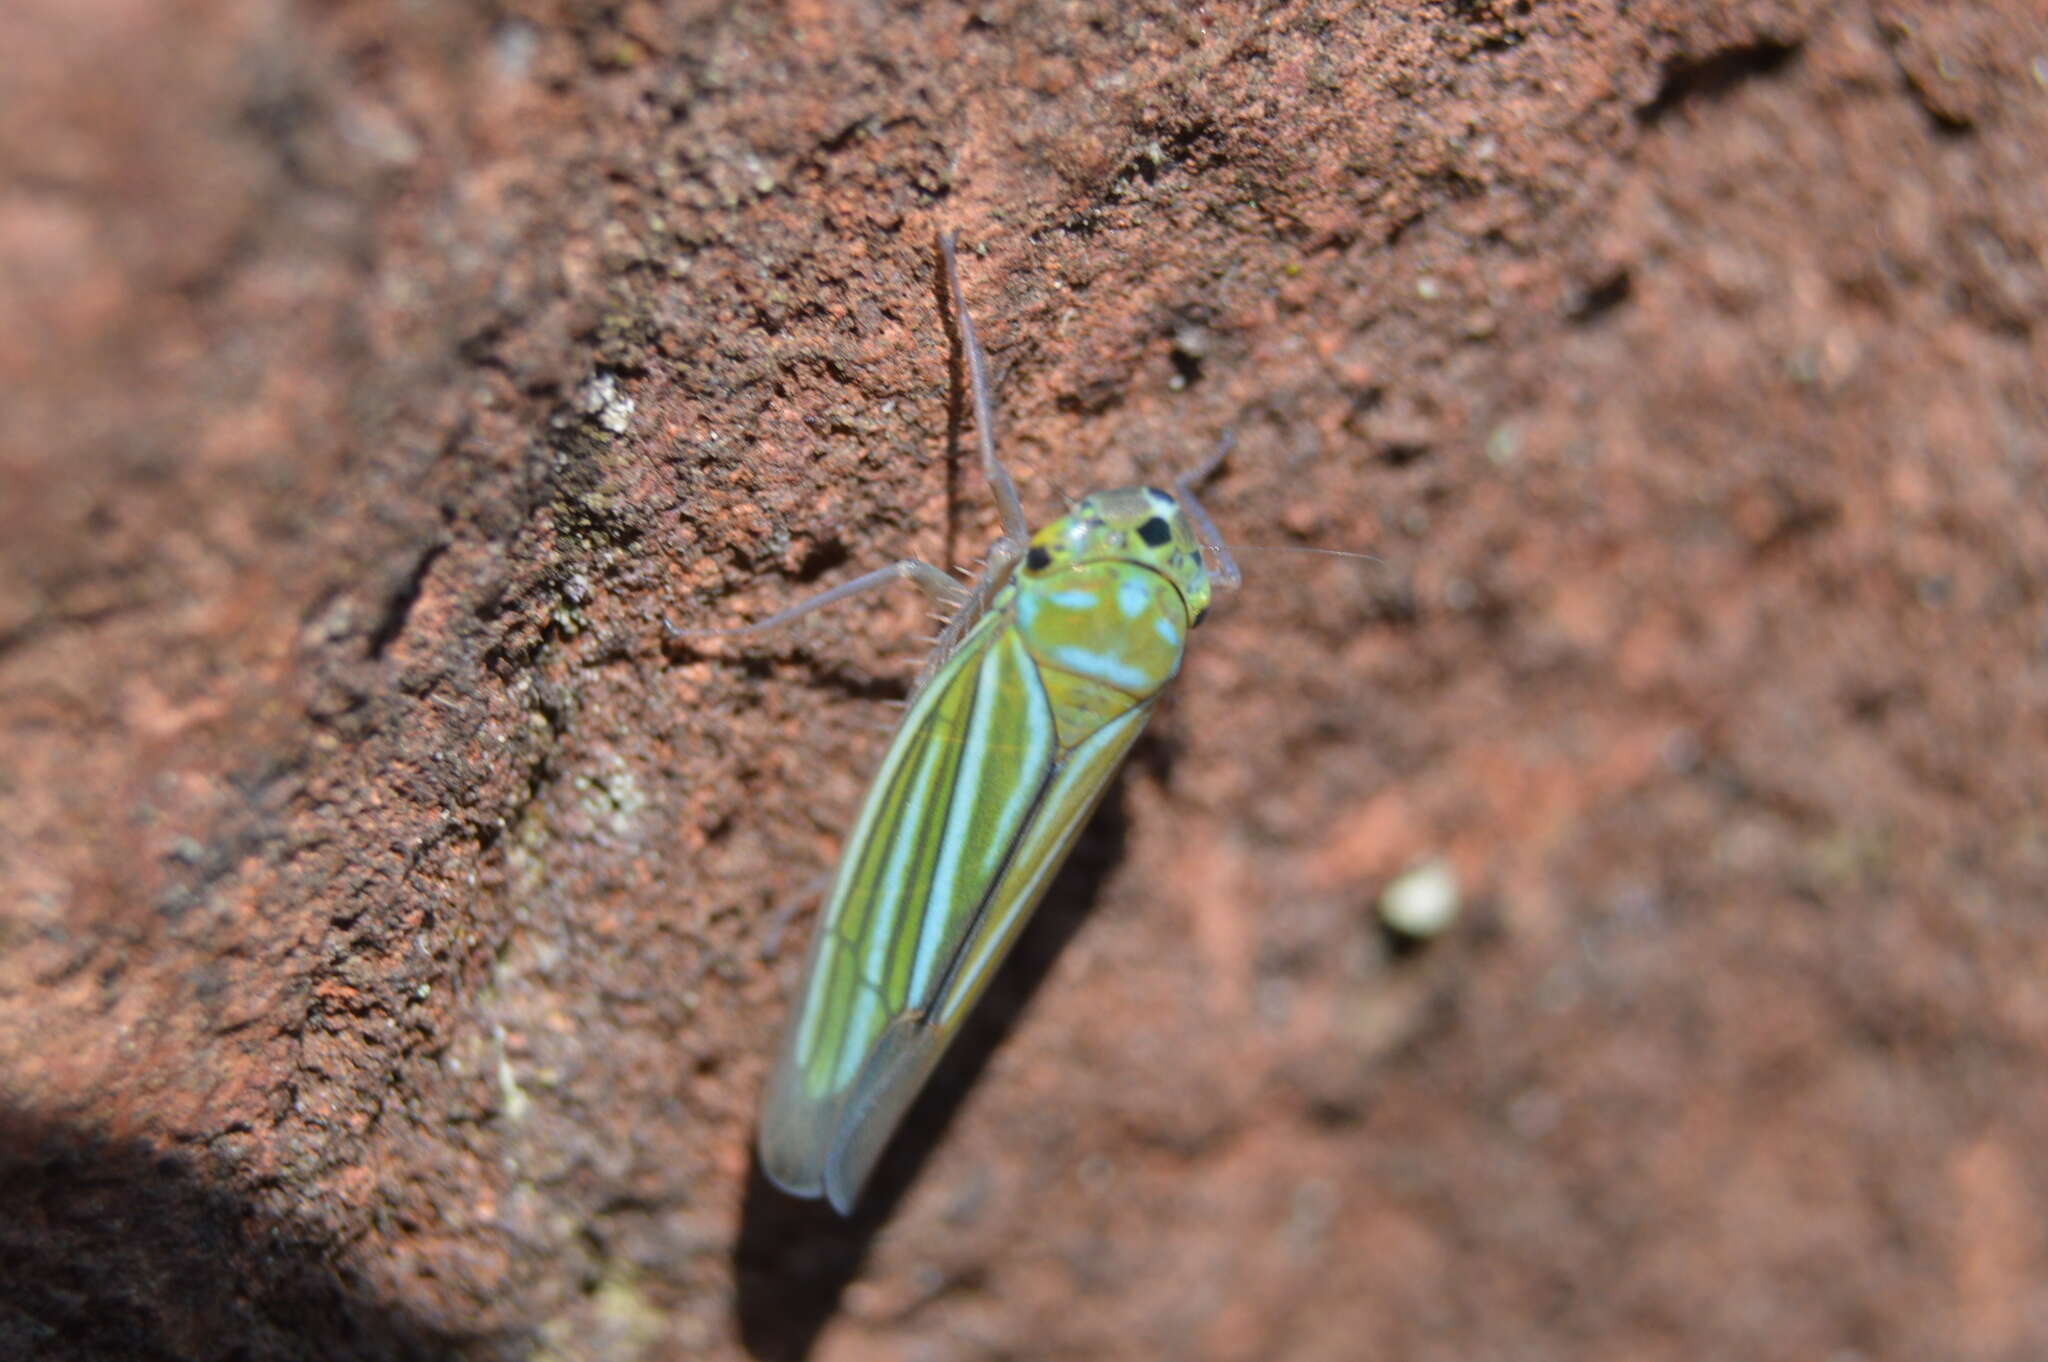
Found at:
(934, 582)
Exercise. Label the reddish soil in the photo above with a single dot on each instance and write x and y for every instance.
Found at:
(393, 917)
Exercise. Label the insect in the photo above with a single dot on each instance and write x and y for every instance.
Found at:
(1045, 674)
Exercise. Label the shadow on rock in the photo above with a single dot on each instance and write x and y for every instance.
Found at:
(114, 1252)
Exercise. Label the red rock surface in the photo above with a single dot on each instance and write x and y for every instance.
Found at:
(389, 911)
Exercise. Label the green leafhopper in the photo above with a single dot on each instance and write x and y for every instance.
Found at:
(1045, 675)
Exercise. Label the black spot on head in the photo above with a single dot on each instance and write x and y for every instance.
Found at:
(1200, 615)
(1158, 496)
(1038, 560)
(1155, 531)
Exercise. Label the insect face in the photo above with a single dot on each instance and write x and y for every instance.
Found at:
(1141, 525)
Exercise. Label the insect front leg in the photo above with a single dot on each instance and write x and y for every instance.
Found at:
(1008, 505)
(1004, 554)
(1222, 567)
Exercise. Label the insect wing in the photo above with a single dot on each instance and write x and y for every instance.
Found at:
(961, 778)
(910, 1046)
(971, 815)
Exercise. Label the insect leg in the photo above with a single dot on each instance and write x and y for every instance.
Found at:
(1222, 567)
(1004, 554)
(932, 581)
(785, 913)
(1008, 505)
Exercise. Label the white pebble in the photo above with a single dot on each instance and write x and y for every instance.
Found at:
(1423, 901)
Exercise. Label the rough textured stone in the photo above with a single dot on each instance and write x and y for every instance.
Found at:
(394, 918)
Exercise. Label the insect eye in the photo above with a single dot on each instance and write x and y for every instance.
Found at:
(1038, 560)
(1155, 531)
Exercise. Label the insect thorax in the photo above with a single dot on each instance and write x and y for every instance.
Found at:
(1103, 602)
